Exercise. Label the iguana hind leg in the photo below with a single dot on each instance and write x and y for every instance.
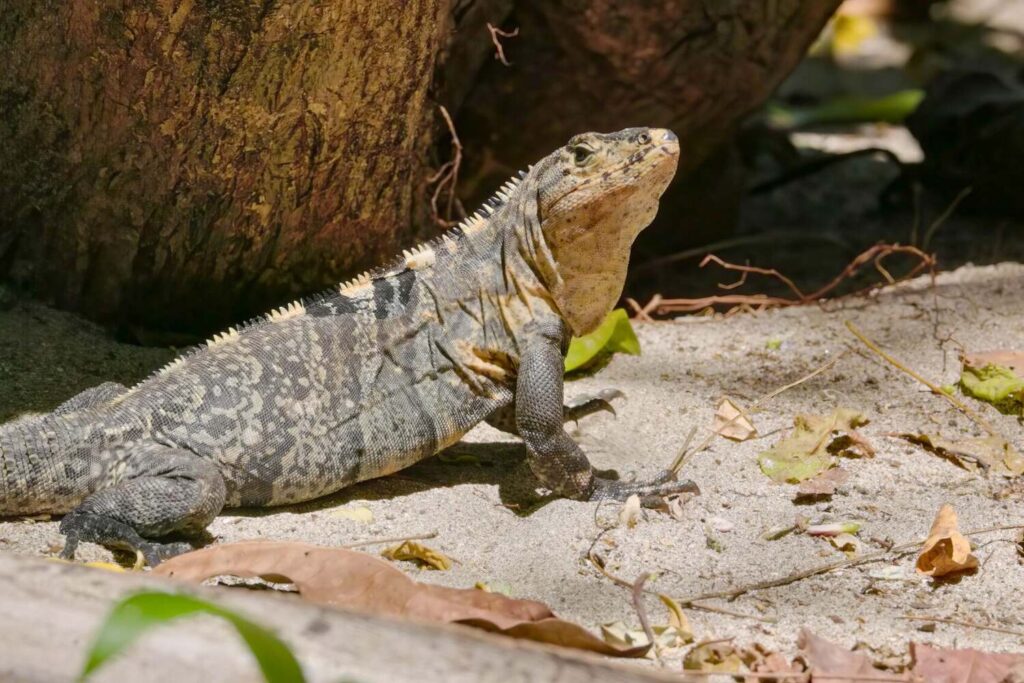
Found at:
(162, 490)
(554, 457)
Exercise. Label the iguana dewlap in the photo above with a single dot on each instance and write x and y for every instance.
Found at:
(367, 378)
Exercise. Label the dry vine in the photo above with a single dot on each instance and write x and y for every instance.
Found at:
(499, 50)
(447, 176)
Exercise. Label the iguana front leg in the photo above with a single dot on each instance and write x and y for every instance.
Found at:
(554, 457)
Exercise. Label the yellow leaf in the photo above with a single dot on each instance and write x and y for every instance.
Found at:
(946, 550)
(732, 422)
(411, 551)
(358, 514)
(676, 618)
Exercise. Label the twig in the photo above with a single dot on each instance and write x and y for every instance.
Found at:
(681, 458)
(500, 51)
(903, 548)
(773, 237)
(599, 565)
(968, 624)
(400, 539)
(873, 255)
(446, 176)
(960, 405)
(641, 611)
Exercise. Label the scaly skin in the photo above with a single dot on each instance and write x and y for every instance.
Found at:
(367, 378)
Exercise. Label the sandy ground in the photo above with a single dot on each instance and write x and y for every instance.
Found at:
(486, 514)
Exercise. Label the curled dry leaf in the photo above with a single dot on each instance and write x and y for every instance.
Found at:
(836, 664)
(732, 422)
(946, 550)
(677, 618)
(939, 665)
(630, 512)
(411, 551)
(352, 580)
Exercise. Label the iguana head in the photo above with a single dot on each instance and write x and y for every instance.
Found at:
(594, 196)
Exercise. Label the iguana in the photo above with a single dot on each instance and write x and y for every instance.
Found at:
(367, 378)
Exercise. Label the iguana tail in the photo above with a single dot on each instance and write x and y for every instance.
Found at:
(38, 472)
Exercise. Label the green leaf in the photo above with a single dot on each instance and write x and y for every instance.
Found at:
(890, 109)
(140, 612)
(994, 384)
(613, 335)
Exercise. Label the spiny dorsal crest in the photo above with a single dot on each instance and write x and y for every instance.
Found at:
(417, 258)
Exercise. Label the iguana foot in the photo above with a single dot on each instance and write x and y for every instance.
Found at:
(114, 534)
(650, 491)
(587, 404)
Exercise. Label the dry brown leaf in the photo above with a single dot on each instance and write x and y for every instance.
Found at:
(1014, 360)
(834, 663)
(989, 452)
(939, 665)
(823, 484)
(946, 550)
(677, 618)
(349, 579)
(411, 551)
(775, 663)
(732, 422)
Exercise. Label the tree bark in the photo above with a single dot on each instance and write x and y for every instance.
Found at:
(180, 164)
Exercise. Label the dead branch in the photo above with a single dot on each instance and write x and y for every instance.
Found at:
(874, 255)
(499, 50)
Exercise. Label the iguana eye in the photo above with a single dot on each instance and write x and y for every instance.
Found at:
(581, 154)
(643, 138)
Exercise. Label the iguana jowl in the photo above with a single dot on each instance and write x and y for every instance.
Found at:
(367, 378)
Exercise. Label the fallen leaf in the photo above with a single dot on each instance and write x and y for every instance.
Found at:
(990, 452)
(677, 618)
(808, 450)
(357, 514)
(614, 335)
(349, 579)
(1012, 360)
(833, 663)
(630, 512)
(939, 665)
(996, 377)
(946, 550)
(721, 657)
(494, 587)
(834, 528)
(411, 551)
(823, 484)
(732, 422)
(775, 663)
(621, 636)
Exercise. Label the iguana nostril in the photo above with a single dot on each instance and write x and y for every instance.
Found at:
(670, 136)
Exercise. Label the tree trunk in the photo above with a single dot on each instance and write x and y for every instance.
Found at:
(181, 165)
